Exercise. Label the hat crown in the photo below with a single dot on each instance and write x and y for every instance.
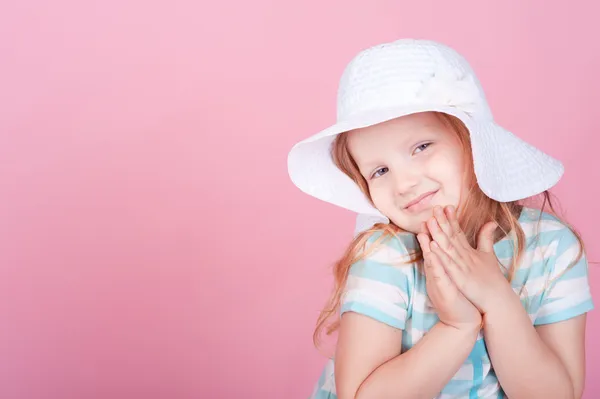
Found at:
(409, 72)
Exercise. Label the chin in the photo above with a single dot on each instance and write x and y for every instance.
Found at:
(411, 223)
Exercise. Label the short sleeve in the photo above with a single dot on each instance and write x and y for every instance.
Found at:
(568, 293)
(379, 285)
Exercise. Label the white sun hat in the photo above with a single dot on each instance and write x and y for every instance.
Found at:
(408, 76)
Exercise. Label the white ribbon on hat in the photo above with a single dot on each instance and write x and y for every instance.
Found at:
(447, 89)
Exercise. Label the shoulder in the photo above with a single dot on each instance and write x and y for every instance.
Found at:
(534, 220)
(387, 258)
(381, 279)
(393, 250)
(549, 237)
(546, 227)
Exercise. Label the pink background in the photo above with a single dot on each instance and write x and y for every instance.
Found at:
(151, 242)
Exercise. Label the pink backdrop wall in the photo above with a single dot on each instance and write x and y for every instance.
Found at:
(151, 243)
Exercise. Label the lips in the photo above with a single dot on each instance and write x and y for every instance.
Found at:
(417, 201)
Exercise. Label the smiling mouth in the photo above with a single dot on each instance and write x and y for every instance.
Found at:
(420, 202)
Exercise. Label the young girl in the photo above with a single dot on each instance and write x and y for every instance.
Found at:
(461, 291)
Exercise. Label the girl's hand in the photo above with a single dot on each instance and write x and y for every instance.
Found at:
(476, 272)
(452, 307)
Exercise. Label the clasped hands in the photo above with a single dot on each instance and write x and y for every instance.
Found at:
(463, 283)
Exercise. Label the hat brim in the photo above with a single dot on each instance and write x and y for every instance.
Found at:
(506, 167)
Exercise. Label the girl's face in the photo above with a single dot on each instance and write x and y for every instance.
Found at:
(406, 159)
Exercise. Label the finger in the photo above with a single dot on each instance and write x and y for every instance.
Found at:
(457, 235)
(485, 241)
(443, 240)
(424, 228)
(435, 270)
(431, 264)
(424, 241)
(436, 232)
(445, 259)
(438, 284)
(438, 213)
(452, 270)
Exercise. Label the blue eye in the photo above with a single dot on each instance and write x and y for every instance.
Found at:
(423, 146)
(379, 172)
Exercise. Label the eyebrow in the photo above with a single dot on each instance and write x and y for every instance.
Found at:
(372, 163)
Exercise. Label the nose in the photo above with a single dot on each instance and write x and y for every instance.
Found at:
(405, 181)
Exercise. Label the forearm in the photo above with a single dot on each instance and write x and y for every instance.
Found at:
(424, 370)
(524, 365)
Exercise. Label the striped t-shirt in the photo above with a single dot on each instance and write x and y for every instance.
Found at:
(395, 295)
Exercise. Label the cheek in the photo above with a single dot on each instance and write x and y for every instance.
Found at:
(380, 196)
(453, 174)
(447, 171)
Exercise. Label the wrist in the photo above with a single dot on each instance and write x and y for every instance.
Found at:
(468, 330)
(503, 307)
(499, 299)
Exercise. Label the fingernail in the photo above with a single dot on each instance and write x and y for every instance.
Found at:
(434, 244)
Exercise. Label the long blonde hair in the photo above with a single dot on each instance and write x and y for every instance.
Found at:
(505, 214)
